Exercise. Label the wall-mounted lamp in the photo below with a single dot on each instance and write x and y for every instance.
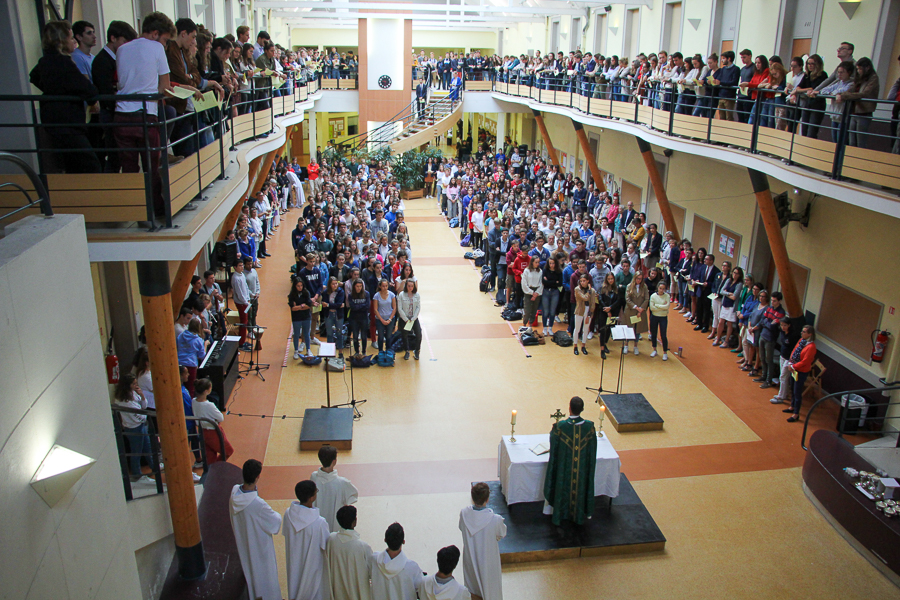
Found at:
(849, 8)
(60, 470)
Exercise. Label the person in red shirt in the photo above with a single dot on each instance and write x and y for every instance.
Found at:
(313, 170)
(760, 75)
(801, 362)
(518, 266)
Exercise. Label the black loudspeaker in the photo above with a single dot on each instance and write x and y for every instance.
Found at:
(225, 253)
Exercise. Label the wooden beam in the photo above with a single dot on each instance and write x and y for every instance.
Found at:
(589, 156)
(551, 152)
(153, 280)
(792, 303)
(661, 197)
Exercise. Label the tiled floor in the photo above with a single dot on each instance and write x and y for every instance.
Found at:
(721, 480)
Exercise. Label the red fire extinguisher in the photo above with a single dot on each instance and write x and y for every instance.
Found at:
(112, 364)
(879, 344)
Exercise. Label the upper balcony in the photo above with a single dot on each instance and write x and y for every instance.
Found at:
(865, 176)
(196, 193)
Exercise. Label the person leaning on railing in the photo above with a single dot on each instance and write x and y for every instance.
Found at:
(57, 75)
(865, 86)
(103, 74)
(894, 95)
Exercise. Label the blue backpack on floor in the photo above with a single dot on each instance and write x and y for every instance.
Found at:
(454, 222)
(385, 358)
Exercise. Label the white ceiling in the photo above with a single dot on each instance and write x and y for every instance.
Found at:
(489, 15)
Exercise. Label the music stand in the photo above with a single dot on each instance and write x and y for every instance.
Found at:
(623, 333)
(357, 415)
(599, 389)
(254, 366)
(327, 351)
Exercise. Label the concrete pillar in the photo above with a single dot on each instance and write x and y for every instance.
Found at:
(501, 130)
(312, 126)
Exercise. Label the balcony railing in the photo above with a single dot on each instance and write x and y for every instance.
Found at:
(151, 196)
(794, 136)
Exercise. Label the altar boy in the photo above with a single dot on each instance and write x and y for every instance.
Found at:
(305, 535)
(334, 491)
(482, 530)
(254, 523)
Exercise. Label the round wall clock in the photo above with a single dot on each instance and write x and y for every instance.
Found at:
(384, 82)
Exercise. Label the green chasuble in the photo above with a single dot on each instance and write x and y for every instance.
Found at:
(569, 483)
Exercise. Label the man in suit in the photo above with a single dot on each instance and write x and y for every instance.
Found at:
(703, 277)
(421, 99)
(629, 214)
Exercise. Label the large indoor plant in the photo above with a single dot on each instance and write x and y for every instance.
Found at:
(409, 170)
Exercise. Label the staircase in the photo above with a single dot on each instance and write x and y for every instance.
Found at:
(419, 129)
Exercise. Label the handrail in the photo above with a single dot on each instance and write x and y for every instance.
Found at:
(408, 120)
(39, 187)
(152, 413)
(367, 134)
(834, 395)
(581, 94)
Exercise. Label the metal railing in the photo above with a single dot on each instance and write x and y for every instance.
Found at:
(844, 418)
(43, 198)
(189, 134)
(153, 457)
(764, 125)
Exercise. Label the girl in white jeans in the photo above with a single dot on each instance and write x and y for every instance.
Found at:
(585, 299)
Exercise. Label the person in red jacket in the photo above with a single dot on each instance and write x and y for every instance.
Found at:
(800, 362)
(313, 172)
(517, 267)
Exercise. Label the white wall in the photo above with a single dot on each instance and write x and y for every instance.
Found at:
(54, 392)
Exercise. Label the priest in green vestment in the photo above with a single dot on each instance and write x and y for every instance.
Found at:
(569, 483)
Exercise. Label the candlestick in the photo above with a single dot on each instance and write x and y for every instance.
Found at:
(513, 422)
(602, 414)
(512, 434)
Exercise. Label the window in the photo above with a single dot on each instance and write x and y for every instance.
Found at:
(599, 34)
(554, 36)
(672, 27)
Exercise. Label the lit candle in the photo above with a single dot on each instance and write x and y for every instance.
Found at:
(513, 422)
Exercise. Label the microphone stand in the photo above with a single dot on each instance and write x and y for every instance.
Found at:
(357, 415)
(254, 366)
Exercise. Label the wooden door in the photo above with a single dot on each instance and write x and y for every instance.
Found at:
(800, 47)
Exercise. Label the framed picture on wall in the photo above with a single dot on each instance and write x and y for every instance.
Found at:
(335, 127)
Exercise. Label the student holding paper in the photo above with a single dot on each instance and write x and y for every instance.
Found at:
(409, 304)
(610, 303)
(637, 298)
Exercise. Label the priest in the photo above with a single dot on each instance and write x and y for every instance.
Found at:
(305, 535)
(569, 483)
(254, 523)
(334, 491)
(348, 559)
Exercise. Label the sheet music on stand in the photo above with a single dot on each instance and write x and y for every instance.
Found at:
(327, 350)
(622, 333)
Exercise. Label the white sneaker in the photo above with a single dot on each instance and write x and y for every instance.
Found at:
(314, 342)
(302, 349)
(653, 354)
(624, 349)
(196, 478)
(636, 351)
(688, 315)
(143, 480)
(296, 354)
(590, 334)
(665, 356)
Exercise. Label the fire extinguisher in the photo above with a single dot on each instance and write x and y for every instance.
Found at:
(879, 344)
(112, 364)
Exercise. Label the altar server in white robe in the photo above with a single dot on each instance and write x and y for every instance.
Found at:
(334, 491)
(305, 536)
(254, 523)
(482, 530)
(394, 576)
(348, 559)
(442, 585)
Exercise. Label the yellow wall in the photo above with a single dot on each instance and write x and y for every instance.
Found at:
(473, 40)
(317, 38)
(651, 25)
(323, 134)
(694, 42)
(758, 26)
(527, 36)
(836, 27)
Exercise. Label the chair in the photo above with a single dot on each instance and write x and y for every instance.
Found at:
(814, 380)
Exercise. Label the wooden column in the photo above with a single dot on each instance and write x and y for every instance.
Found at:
(760, 183)
(186, 269)
(551, 152)
(153, 280)
(589, 156)
(658, 187)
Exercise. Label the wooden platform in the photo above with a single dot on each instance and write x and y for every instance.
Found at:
(631, 412)
(619, 526)
(331, 426)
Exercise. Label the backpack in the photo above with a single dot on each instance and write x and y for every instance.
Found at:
(385, 358)
(335, 365)
(469, 256)
(528, 338)
(310, 361)
(454, 222)
(512, 314)
(479, 261)
(485, 284)
(562, 338)
(361, 361)
(466, 241)
(485, 269)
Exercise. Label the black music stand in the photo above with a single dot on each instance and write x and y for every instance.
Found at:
(623, 333)
(253, 366)
(599, 389)
(354, 403)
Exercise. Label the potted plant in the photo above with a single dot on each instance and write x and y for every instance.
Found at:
(409, 170)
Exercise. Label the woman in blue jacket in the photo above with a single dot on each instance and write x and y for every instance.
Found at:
(191, 350)
(359, 304)
(333, 306)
